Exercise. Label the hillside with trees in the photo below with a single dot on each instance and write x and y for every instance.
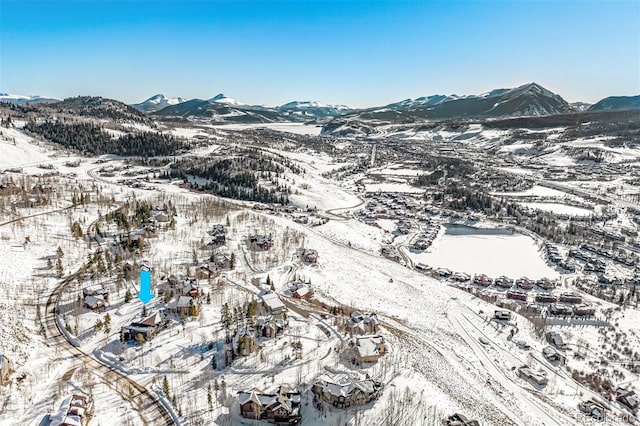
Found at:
(91, 139)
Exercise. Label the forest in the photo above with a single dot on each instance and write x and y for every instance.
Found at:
(91, 139)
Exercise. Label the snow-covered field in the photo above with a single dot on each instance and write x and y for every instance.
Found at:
(493, 255)
(298, 128)
(559, 208)
(392, 187)
(536, 191)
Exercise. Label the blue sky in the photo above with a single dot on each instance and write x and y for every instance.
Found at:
(359, 53)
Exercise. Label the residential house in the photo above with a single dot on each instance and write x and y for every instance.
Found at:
(344, 391)
(268, 326)
(96, 290)
(309, 256)
(570, 298)
(303, 292)
(262, 242)
(502, 315)
(6, 368)
(147, 328)
(555, 339)
(95, 303)
(516, 295)
(75, 410)
(217, 240)
(207, 270)
(552, 355)
(546, 298)
(216, 229)
(184, 306)
(182, 285)
(281, 407)
(458, 419)
(271, 302)
(160, 215)
(368, 348)
(223, 259)
(562, 310)
(539, 378)
(363, 324)
(592, 409)
(628, 398)
(584, 311)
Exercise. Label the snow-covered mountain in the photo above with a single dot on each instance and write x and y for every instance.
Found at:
(523, 101)
(21, 99)
(223, 99)
(219, 111)
(616, 103)
(312, 109)
(580, 106)
(156, 103)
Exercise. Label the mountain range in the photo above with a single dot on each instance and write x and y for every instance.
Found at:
(21, 99)
(616, 103)
(529, 100)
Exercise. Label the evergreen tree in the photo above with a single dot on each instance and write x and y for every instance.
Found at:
(165, 386)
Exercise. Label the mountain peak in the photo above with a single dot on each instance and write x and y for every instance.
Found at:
(157, 102)
(224, 99)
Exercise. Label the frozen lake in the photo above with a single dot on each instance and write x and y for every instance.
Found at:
(488, 251)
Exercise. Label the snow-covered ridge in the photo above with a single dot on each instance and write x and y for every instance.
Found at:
(312, 104)
(22, 99)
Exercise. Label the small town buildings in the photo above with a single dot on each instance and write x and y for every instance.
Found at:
(6, 368)
(343, 391)
(368, 349)
(281, 407)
